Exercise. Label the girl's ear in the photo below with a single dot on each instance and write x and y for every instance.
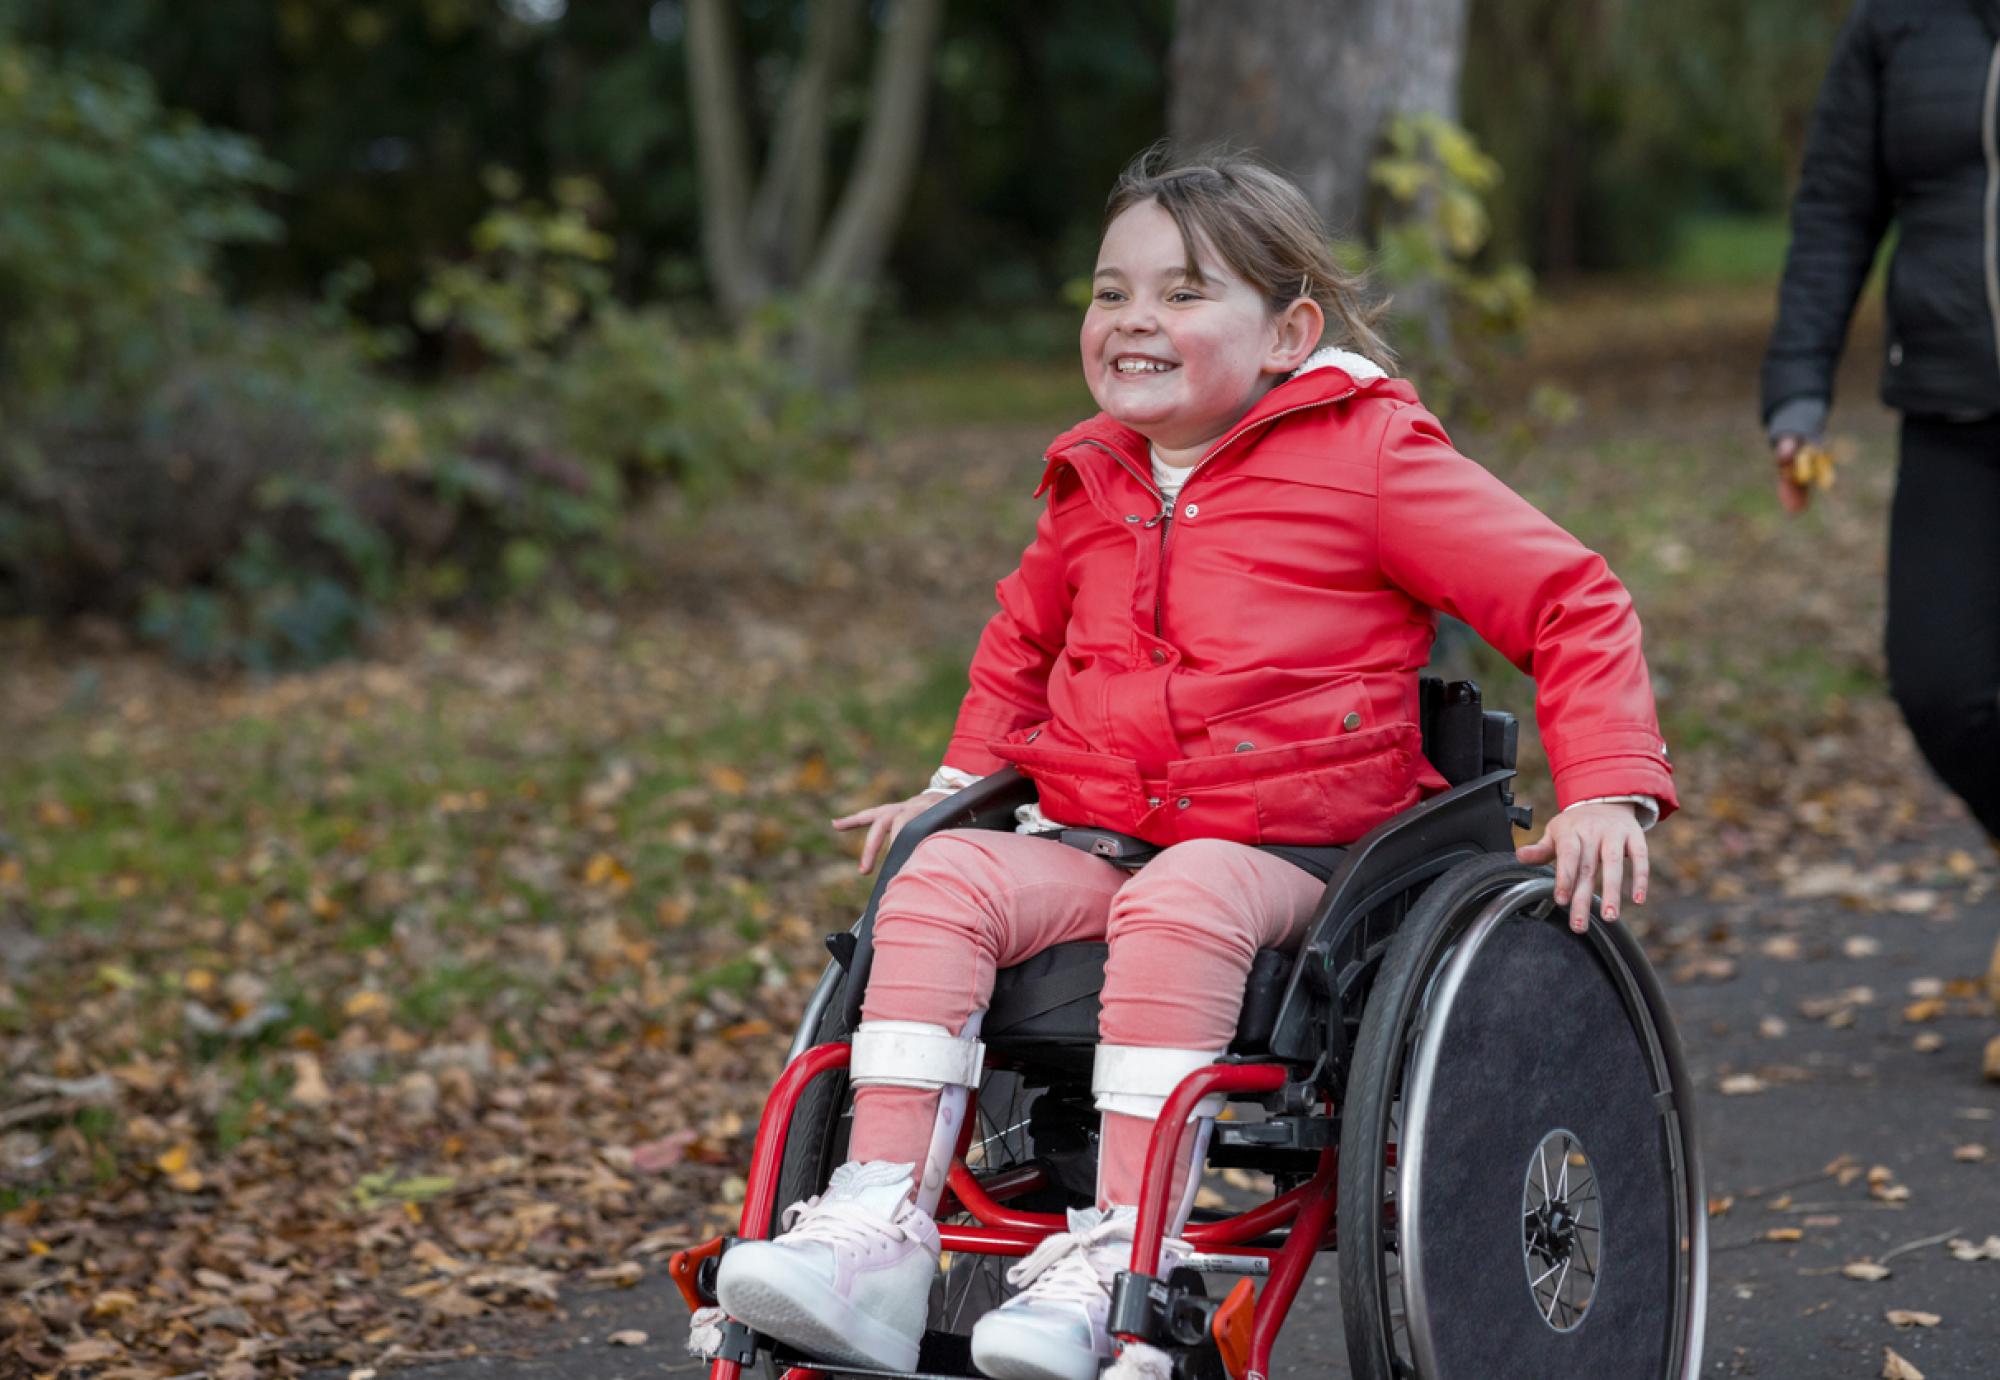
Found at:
(1298, 329)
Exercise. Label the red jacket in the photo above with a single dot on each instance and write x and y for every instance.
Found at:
(1246, 668)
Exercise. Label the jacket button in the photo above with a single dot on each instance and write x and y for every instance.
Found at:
(1131, 517)
(1159, 657)
(1152, 802)
(1351, 722)
(1246, 746)
(1182, 803)
(1191, 510)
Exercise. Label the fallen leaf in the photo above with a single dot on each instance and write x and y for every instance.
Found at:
(1741, 1085)
(1865, 1270)
(1785, 1234)
(606, 873)
(91, 1350)
(309, 1087)
(1992, 1060)
(1861, 946)
(654, 1156)
(112, 1302)
(1925, 1009)
(630, 1336)
(365, 1003)
(1911, 1317)
(1895, 1367)
(1772, 1027)
(1783, 947)
(625, 1274)
(728, 780)
(1989, 1249)
(1969, 1154)
(1717, 1207)
(1929, 1042)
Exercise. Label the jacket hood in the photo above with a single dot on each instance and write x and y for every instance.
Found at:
(1327, 375)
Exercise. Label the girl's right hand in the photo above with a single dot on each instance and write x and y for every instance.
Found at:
(885, 822)
(1792, 495)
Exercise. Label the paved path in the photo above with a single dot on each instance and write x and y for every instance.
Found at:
(1860, 1089)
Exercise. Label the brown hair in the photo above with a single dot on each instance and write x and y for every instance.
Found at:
(1261, 224)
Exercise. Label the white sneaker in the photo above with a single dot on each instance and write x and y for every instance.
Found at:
(1054, 1329)
(849, 1280)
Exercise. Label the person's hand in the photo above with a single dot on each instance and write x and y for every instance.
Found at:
(1792, 495)
(1590, 844)
(885, 822)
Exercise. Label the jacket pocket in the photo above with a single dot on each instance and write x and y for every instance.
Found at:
(1077, 787)
(1326, 791)
(1331, 708)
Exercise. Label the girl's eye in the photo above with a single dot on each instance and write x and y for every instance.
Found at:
(1109, 295)
(1183, 295)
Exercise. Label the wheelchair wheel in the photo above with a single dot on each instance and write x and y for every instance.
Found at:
(1519, 1187)
(1002, 1139)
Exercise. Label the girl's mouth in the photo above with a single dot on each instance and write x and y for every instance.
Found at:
(1129, 365)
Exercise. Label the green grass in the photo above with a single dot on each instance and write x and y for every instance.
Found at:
(1729, 249)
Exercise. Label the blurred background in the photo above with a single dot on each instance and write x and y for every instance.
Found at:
(483, 481)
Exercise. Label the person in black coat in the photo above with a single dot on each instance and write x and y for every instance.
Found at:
(1907, 132)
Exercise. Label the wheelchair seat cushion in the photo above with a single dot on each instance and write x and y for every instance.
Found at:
(1046, 1007)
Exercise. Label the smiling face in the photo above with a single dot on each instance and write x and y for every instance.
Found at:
(1181, 359)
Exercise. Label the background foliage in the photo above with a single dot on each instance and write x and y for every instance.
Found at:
(312, 306)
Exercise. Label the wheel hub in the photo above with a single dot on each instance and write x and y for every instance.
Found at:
(1561, 1230)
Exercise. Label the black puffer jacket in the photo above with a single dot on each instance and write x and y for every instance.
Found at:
(1907, 130)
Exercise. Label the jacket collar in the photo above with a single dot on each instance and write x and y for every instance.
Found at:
(1328, 375)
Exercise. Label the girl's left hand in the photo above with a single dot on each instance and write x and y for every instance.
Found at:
(1590, 844)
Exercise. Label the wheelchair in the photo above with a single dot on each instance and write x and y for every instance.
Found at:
(1486, 1116)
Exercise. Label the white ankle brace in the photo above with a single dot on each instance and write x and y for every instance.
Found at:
(912, 1054)
(1136, 1080)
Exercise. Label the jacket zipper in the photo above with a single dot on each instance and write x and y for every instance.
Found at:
(1164, 519)
(1989, 137)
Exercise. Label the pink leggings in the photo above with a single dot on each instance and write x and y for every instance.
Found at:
(1182, 931)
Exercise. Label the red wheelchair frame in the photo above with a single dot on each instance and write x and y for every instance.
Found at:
(1245, 1326)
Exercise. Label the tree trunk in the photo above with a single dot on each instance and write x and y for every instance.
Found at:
(1309, 84)
(722, 149)
(844, 273)
(757, 250)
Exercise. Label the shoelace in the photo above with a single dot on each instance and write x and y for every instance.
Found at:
(1069, 1267)
(838, 1224)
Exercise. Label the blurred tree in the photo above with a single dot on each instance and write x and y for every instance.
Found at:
(1615, 119)
(1311, 85)
(769, 244)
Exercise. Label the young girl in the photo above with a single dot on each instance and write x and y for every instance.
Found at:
(1212, 643)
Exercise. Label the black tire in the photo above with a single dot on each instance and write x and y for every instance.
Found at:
(968, 1284)
(1472, 1068)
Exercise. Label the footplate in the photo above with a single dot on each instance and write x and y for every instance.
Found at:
(940, 1356)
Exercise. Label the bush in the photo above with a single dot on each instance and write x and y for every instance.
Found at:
(248, 487)
(111, 218)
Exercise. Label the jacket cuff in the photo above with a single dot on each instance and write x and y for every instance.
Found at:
(972, 756)
(1645, 807)
(950, 781)
(1617, 775)
(1801, 416)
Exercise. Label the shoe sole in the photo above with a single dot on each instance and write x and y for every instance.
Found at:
(1005, 1350)
(802, 1312)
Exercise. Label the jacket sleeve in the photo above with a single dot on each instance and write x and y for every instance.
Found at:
(1839, 216)
(1459, 540)
(1010, 669)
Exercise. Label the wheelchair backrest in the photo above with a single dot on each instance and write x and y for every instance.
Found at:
(1462, 739)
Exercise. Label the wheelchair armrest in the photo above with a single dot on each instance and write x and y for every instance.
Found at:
(988, 803)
